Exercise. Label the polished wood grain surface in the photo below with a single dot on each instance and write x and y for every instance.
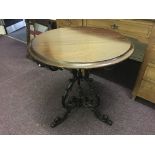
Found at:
(80, 47)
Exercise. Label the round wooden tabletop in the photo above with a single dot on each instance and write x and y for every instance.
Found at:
(78, 48)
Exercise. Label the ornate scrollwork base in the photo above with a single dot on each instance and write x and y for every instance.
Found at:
(88, 99)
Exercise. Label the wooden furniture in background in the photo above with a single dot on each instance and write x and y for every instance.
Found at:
(31, 28)
(141, 30)
(145, 85)
(69, 22)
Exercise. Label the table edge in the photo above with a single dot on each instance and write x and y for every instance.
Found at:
(80, 65)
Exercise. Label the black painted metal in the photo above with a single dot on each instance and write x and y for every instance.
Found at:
(88, 99)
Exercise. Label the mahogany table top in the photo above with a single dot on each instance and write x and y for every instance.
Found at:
(82, 47)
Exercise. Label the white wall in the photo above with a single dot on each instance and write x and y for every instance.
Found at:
(2, 30)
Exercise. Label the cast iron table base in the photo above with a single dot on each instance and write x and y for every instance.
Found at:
(88, 99)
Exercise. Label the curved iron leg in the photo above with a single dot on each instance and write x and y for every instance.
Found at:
(67, 90)
(102, 117)
(58, 120)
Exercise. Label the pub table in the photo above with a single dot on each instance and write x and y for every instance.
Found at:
(79, 50)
